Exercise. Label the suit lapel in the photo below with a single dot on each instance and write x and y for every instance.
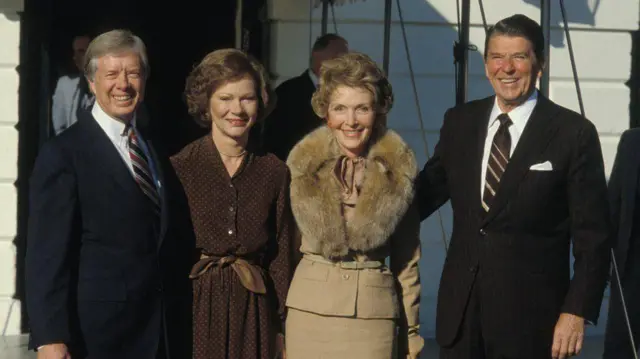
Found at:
(103, 152)
(308, 82)
(164, 216)
(534, 139)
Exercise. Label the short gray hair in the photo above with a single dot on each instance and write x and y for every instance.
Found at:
(111, 43)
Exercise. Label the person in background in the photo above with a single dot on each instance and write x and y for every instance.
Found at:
(293, 118)
(624, 199)
(72, 93)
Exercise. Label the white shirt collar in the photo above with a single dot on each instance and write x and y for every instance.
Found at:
(313, 78)
(519, 115)
(112, 127)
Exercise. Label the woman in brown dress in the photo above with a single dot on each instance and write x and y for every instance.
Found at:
(239, 205)
(352, 196)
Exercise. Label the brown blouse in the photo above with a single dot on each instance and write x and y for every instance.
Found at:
(245, 220)
(350, 173)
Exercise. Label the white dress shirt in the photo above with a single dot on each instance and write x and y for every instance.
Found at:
(519, 116)
(65, 102)
(114, 130)
(313, 78)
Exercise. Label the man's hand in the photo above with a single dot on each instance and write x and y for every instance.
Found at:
(568, 336)
(53, 351)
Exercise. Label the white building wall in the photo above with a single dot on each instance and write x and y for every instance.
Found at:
(600, 35)
(9, 59)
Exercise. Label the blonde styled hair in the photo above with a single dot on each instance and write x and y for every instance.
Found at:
(218, 68)
(356, 70)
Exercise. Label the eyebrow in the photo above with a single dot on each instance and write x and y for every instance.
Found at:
(524, 53)
(240, 95)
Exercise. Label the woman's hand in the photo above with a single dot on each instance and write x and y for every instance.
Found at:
(280, 346)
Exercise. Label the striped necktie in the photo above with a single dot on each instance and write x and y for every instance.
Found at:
(142, 171)
(498, 160)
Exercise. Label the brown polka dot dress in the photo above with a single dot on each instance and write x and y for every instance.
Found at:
(246, 216)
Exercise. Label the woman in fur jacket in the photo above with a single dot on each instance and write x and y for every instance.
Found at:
(352, 195)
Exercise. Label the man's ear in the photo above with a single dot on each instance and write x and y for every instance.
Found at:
(92, 85)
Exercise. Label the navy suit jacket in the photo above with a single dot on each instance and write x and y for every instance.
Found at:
(103, 273)
(293, 117)
(623, 189)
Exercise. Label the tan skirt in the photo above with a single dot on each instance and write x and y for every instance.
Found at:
(313, 336)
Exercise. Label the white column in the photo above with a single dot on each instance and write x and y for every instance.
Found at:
(9, 81)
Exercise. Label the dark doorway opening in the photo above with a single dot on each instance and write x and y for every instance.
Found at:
(177, 34)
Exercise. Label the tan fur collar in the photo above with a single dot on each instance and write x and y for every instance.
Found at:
(387, 192)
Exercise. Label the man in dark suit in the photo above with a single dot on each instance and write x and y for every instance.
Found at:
(109, 237)
(525, 178)
(624, 198)
(293, 118)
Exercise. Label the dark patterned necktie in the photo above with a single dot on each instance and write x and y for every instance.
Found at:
(142, 171)
(498, 160)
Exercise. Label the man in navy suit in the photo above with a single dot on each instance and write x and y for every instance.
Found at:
(109, 238)
(526, 179)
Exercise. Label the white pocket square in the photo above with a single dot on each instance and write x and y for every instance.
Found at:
(544, 166)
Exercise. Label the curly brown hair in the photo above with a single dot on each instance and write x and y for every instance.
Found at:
(353, 69)
(218, 68)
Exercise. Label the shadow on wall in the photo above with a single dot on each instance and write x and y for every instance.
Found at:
(578, 12)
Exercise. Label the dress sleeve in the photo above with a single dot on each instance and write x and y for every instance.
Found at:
(281, 267)
(405, 255)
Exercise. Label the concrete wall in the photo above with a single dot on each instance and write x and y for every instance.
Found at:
(9, 59)
(600, 38)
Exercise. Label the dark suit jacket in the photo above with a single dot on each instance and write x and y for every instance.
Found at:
(293, 117)
(102, 271)
(623, 189)
(518, 253)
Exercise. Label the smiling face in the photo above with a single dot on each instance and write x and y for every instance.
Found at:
(351, 118)
(233, 107)
(512, 69)
(118, 84)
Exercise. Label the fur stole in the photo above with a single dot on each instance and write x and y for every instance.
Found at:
(386, 194)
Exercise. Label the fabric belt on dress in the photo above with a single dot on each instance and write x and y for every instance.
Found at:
(344, 264)
(249, 274)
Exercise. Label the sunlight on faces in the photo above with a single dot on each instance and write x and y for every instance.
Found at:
(119, 84)
(351, 118)
(512, 68)
(233, 107)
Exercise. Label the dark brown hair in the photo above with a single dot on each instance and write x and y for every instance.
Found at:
(519, 26)
(218, 68)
